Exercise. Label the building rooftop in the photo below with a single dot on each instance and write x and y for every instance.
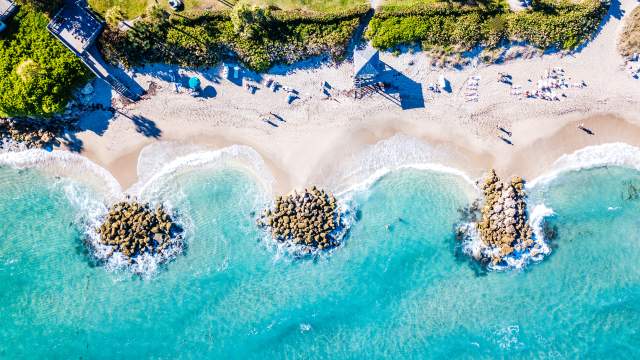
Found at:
(6, 9)
(365, 62)
(76, 26)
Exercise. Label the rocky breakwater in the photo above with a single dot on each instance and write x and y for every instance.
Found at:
(503, 227)
(32, 133)
(310, 219)
(134, 229)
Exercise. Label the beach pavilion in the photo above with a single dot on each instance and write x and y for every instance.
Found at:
(366, 66)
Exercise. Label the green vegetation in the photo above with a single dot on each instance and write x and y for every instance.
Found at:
(46, 6)
(322, 6)
(459, 27)
(399, 5)
(129, 8)
(134, 8)
(37, 73)
(262, 33)
(629, 43)
(259, 37)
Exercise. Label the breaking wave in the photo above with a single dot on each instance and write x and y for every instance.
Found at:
(91, 189)
(473, 246)
(398, 152)
(65, 164)
(612, 154)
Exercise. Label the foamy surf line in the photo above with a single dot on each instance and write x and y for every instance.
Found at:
(379, 174)
(235, 155)
(473, 245)
(61, 163)
(392, 154)
(69, 165)
(612, 154)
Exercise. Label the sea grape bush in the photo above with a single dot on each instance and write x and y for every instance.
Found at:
(260, 38)
(37, 73)
(562, 24)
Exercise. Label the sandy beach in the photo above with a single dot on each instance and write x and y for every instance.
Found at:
(319, 136)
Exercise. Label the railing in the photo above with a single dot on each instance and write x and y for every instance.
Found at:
(88, 58)
(121, 89)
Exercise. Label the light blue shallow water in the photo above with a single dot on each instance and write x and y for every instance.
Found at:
(398, 293)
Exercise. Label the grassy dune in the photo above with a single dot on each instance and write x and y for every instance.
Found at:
(135, 8)
(458, 26)
(37, 73)
(630, 37)
(326, 6)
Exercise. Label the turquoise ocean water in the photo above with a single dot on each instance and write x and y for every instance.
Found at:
(402, 292)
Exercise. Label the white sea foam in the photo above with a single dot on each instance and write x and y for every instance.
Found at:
(473, 246)
(612, 154)
(64, 164)
(161, 162)
(155, 156)
(393, 154)
(92, 206)
(235, 155)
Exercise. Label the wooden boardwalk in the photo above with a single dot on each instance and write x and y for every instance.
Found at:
(78, 28)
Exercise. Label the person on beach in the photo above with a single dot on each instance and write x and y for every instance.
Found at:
(504, 130)
(585, 129)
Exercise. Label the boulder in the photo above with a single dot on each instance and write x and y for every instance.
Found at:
(308, 217)
(135, 229)
(503, 225)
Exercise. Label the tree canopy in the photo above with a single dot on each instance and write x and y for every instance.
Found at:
(37, 73)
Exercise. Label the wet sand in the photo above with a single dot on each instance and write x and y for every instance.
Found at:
(319, 138)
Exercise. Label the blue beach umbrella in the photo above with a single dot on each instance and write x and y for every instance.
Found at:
(194, 83)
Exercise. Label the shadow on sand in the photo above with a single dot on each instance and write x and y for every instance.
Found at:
(400, 89)
(145, 126)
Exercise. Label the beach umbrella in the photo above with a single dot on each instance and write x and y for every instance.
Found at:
(194, 83)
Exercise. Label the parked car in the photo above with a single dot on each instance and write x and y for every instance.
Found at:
(2, 26)
(176, 5)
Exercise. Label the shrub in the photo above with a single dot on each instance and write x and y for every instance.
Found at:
(113, 16)
(259, 38)
(551, 23)
(250, 23)
(37, 73)
(46, 6)
(565, 25)
(630, 38)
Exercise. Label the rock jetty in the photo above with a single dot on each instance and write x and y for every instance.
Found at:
(309, 219)
(46, 132)
(32, 133)
(134, 229)
(503, 227)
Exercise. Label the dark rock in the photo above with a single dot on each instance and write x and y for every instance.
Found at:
(135, 229)
(310, 217)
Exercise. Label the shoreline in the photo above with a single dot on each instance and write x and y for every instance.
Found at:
(533, 158)
(321, 138)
